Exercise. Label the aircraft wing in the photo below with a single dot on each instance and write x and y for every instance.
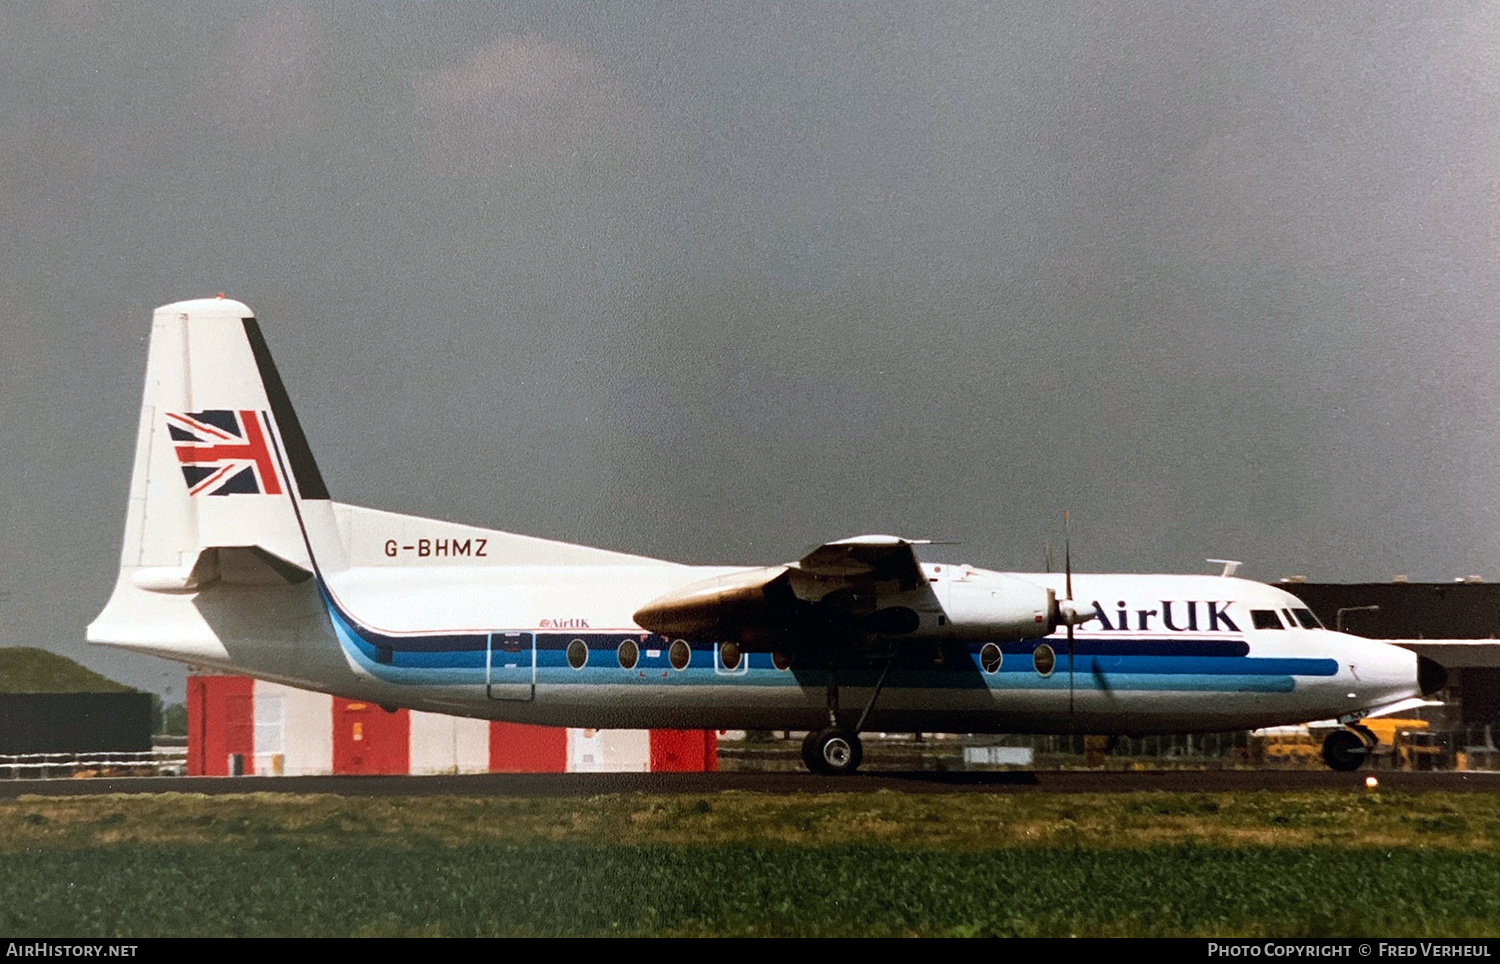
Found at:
(858, 586)
(865, 559)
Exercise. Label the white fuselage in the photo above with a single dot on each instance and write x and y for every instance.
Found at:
(457, 635)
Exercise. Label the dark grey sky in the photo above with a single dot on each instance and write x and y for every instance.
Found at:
(718, 282)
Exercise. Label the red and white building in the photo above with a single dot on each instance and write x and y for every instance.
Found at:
(238, 725)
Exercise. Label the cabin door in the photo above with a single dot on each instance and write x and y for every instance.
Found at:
(510, 667)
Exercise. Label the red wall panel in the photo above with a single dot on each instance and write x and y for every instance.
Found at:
(221, 724)
(521, 748)
(684, 751)
(367, 739)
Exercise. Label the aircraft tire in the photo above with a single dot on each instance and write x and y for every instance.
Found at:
(1345, 751)
(832, 752)
(810, 751)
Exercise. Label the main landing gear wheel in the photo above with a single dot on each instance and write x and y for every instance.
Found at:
(1345, 751)
(832, 752)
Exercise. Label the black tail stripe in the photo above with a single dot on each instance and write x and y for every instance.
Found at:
(299, 453)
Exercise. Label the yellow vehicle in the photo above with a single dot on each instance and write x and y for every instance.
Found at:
(1395, 744)
(1404, 744)
(1286, 746)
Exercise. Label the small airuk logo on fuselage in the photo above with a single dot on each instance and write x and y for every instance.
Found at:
(225, 452)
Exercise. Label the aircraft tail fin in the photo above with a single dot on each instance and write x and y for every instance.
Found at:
(219, 456)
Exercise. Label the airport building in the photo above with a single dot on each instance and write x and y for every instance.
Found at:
(1456, 623)
(242, 726)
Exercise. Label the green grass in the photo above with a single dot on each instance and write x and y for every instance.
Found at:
(570, 889)
(954, 821)
(26, 669)
(1309, 864)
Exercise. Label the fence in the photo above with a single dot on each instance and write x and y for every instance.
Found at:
(164, 761)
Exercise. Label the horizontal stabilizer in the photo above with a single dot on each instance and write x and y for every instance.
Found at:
(227, 565)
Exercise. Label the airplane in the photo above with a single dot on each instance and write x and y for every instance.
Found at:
(236, 558)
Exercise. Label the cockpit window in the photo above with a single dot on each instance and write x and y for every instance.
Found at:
(1307, 619)
(1265, 619)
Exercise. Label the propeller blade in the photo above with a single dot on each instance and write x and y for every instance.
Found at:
(1071, 687)
(1068, 552)
(1068, 582)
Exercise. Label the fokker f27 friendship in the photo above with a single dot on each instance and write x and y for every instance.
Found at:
(236, 558)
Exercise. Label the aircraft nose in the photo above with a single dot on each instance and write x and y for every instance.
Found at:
(1431, 675)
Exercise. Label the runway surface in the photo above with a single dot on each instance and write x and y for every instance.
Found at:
(594, 784)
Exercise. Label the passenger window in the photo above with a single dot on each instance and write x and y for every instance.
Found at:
(1265, 619)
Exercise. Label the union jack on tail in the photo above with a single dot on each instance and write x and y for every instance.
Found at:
(225, 452)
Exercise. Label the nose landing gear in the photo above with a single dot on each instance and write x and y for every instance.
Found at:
(1347, 750)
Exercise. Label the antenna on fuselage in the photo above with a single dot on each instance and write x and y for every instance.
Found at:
(1231, 566)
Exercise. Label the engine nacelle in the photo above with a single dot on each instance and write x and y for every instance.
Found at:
(993, 606)
(748, 607)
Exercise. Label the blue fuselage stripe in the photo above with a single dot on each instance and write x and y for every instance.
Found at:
(1212, 664)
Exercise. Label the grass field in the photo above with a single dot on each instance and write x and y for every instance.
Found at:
(1329, 864)
(27, 669)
